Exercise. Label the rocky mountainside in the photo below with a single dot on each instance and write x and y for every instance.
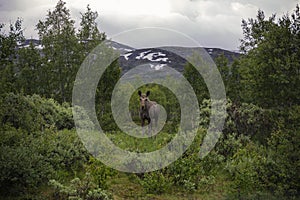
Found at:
(171, 56)
(155, 58)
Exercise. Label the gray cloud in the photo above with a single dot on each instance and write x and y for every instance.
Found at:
(22, 5)
(214, 23)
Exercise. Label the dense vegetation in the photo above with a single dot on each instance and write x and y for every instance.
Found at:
(257, 156)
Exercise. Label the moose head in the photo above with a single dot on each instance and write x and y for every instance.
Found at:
(144, 100)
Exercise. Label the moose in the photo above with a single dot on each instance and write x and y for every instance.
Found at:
(149, 110)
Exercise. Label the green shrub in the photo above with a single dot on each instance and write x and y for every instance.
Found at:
(243, 119)
(229, 144)
(283, 174)
(187, 170)
(34, 113)
(64, 150)
(83, 189)
(155, 182)
(243, 168)
(99, 172)
(27, 161)
(22, 164)
(250, 120)
(207, 183)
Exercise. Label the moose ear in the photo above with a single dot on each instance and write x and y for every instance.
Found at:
(140, 93)
(147, 93)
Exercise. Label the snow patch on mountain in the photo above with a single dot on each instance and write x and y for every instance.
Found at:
(152, 56)
(142, 55)
(126, 56)
(157, 56)
(157, 67)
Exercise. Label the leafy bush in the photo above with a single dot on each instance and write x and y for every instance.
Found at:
(207, 183)
(243, 119)
(99, 172)
(155, 182)
(64, 150)
(27, 160)
(229, 144)
(250, 120)
(22, 164)
(272, 173)
(186, 171)
(245, 168)
(80, 189)
(283, 174)
(34, 113)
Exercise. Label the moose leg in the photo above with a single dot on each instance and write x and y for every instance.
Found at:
(149, 127)
(156, 120)
(143, 122)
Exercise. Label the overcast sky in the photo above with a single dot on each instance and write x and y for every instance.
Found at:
(211, 23)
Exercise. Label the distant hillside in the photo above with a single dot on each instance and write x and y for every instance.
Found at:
(156, 58)
(159, 57)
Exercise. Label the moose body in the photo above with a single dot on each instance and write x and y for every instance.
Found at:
(149, 110)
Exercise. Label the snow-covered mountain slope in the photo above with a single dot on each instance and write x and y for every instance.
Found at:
(173, 57)
(156, 58)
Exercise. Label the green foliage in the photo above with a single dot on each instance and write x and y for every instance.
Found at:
(258, 170)
(33, 113)
(48, 71)
(61, 54)
(66, 151)
(282, 175)
(230, 76)
(229, 144)
(246, 168)
(197, 82)
(186, 172)
(89, 33)
(207, 183)
(29, 160)
(21, 163)
(100, 173)
(31, 74)
(250, 120)
(103, 96)
(31, 149)
(80, 189)
(155, 182)
(270, 68)
(189, 172)
(8, 55)
(243, 119)
(130, 143)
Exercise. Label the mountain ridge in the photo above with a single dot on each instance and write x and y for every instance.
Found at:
(155, 58)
